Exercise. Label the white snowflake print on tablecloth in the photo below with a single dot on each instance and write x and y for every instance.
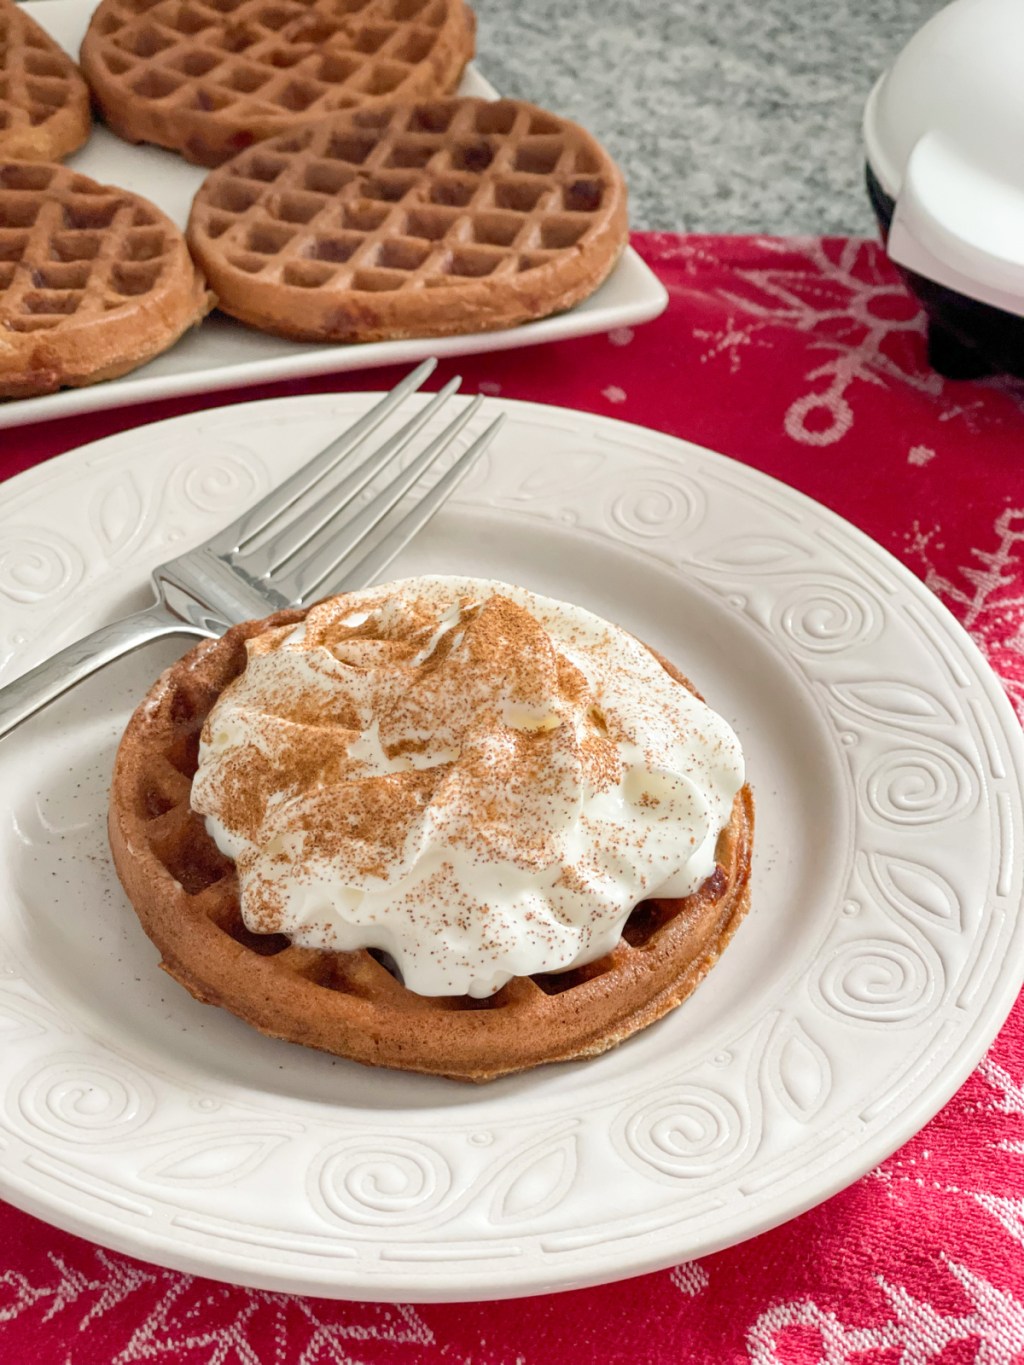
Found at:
(930, 1175)
(920, 455)
(862, 321)
(108, 1308)
(844, 297)
(690, 1278)
(990, 600)
(91, 1291)
(920, 1334)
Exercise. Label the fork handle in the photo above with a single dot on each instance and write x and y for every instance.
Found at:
(40, 685)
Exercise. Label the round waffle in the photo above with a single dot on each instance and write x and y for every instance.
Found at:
(209, 77)
(185, 893)
(44, 102)
(425, 219)
(94, 281)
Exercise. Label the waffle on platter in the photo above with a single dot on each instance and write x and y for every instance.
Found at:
(426, 219)
(210, 77)
(44, 102)
(94, 281)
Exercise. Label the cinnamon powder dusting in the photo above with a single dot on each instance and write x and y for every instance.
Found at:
(478, 781)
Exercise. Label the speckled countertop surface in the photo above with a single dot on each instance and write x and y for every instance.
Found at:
(726, 115)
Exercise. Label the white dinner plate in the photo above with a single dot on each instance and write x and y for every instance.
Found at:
(222, 353)
(882, 951)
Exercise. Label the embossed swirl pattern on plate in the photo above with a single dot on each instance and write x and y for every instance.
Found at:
(912, 786)
(37, 565)
(388, 1181)
(82, 1100)
(827, 617)
(652, 506)
(222, 481)
(691, 1132)
(878, 981)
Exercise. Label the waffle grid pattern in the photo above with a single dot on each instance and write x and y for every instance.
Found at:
(44, 102)
(253, 66)
(70, 248)
(390, 202)
(411, 198)
(186, 894)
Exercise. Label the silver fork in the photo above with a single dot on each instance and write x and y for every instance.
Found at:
(274, 556)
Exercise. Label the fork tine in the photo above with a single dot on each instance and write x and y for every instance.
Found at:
(366, 570)
(324, 551)
(279, 499)
(303, 527)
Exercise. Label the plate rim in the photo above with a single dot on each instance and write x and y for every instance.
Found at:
(234, 1268)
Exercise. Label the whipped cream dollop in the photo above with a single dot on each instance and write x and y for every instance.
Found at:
(479, 781)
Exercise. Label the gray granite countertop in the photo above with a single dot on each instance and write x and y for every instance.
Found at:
(726, 115)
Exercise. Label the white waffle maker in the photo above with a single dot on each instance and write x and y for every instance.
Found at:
(944, 140)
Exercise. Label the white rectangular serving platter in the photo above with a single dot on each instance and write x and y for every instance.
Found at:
(221, 353)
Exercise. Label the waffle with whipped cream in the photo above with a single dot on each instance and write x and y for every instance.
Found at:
(209, 77)
(418, 219)
(444, 825)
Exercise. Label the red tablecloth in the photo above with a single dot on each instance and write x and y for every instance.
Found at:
(806, 359)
